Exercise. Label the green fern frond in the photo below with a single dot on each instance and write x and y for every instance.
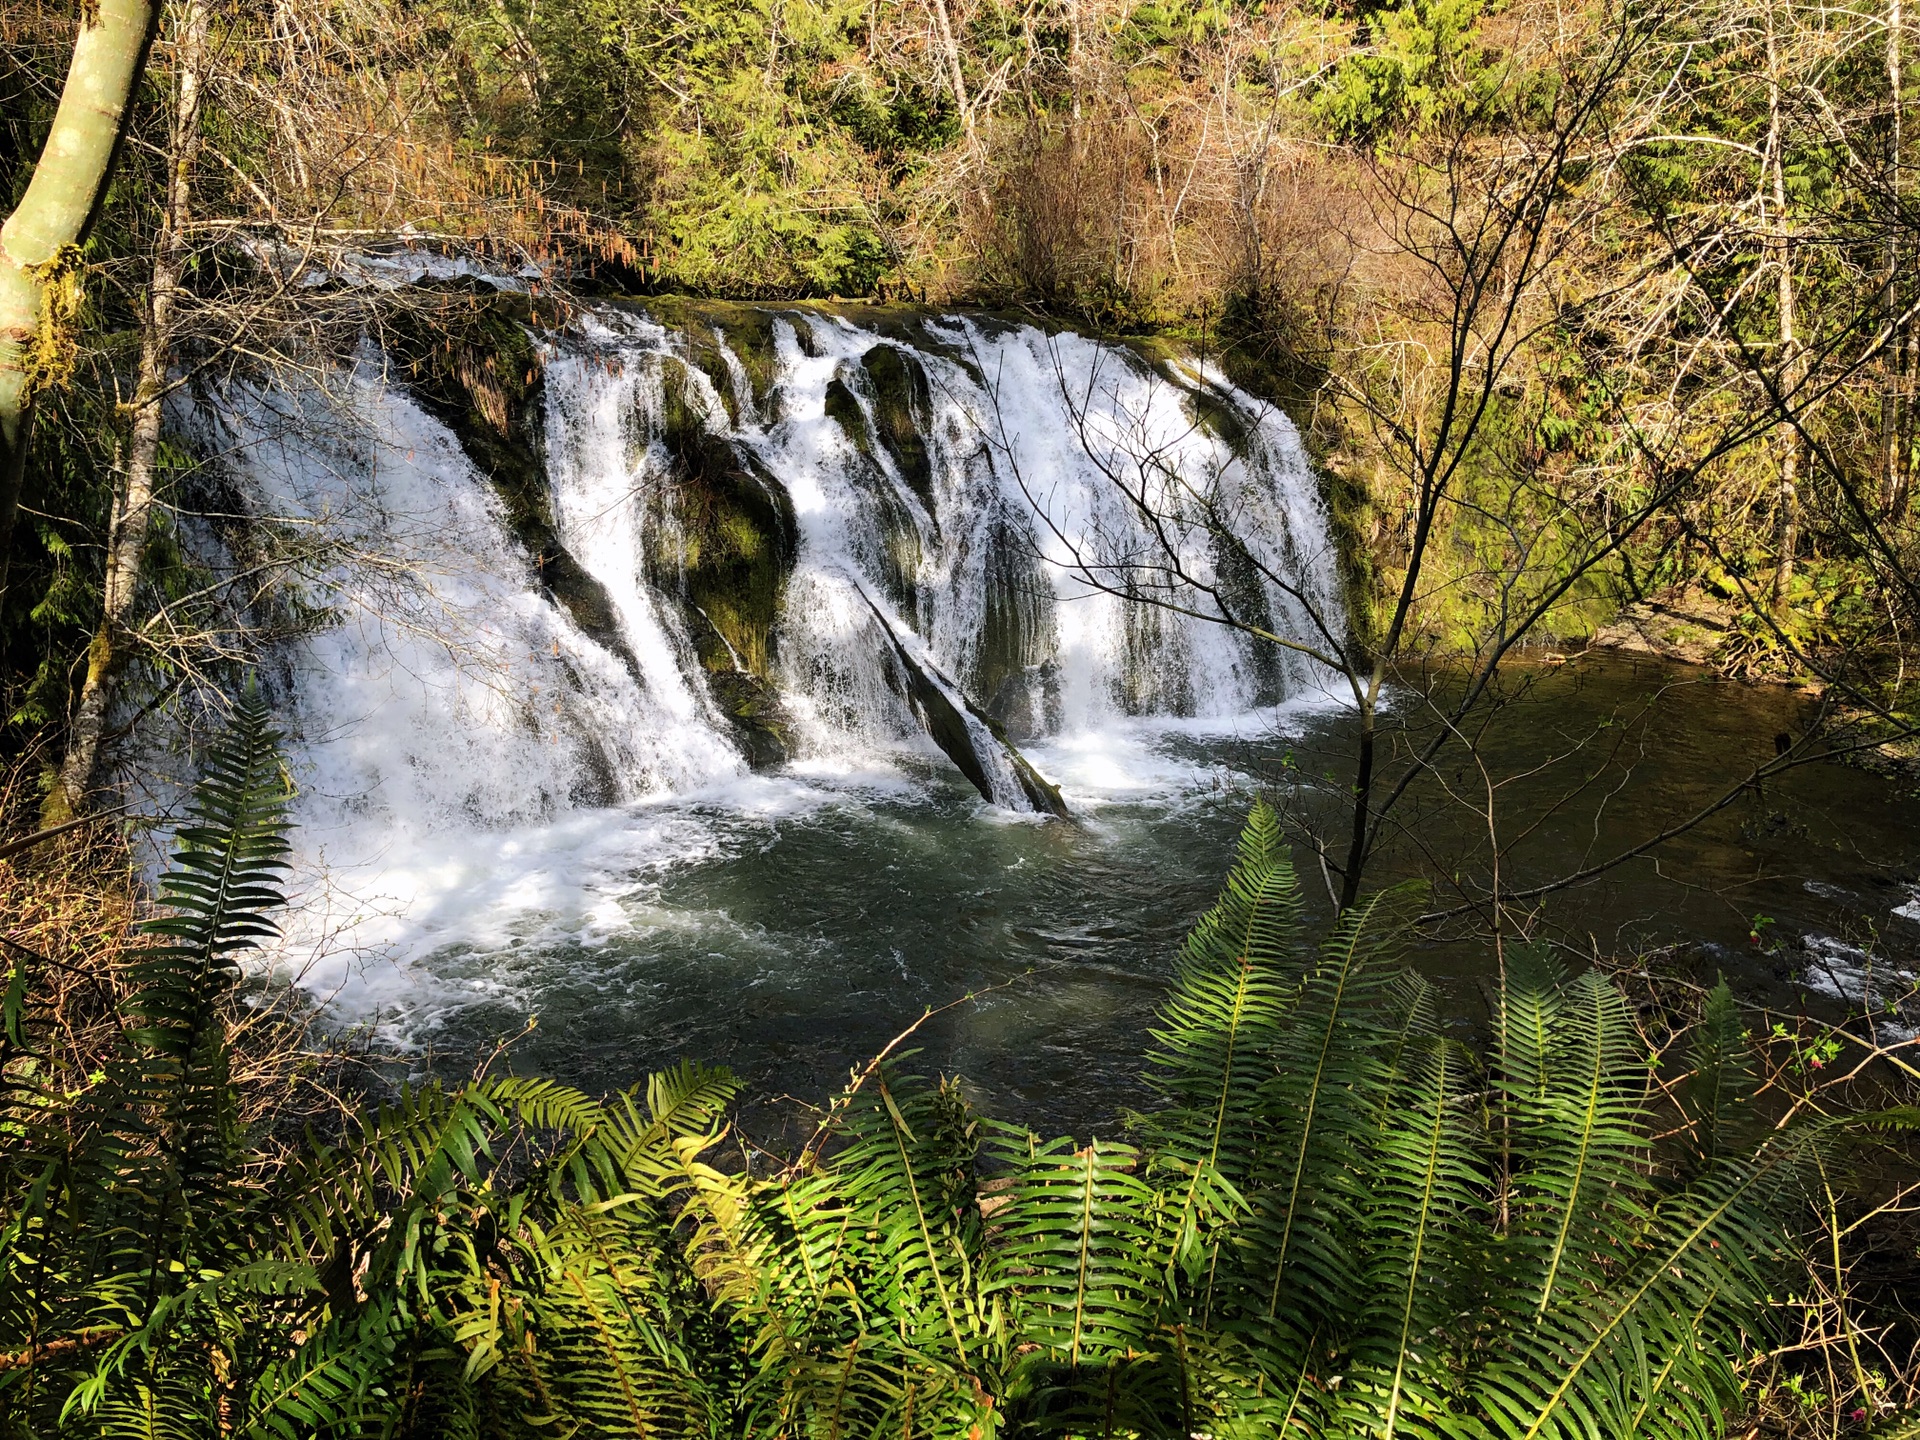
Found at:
(1225, 1018)
(1692, 1291)
(1080, 1250)
(1576, 1120)
(1425, 1199)
(1321, 1102)
(867, 1271)
(1720, 1077)
(225, 883)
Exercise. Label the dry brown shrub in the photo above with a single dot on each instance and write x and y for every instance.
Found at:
(1064, 225)
(69, 907)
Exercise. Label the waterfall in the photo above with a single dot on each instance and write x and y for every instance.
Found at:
(958, 501)
(782, 542)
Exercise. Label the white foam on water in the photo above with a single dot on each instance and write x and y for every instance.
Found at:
(1143, 759)
(481, 778)
(1863, 980)
(401, 941)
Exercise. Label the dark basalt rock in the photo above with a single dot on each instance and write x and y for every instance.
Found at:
(1246, 597)
(1013, 671)
(844, 410)
(750, 703)
(902, 411)
(733, 542)
(802, 326)
(1145, 687)
(898, 560)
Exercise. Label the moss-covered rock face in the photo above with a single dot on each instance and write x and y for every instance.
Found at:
(1218, 417)
(748, 331)
(1013, 670)
(899, 554)
(722, 532)
(706, 352)
(844, 410)
(1253, 348)
(725, 543)
(902, 411)
(471, 361)
(750, 335)
(1245, 595)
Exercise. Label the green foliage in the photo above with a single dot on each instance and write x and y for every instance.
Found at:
(1337, 1219)
(53, 597)
(1419, 60)
(125, 1202)
(1160, 25)
(746, 141)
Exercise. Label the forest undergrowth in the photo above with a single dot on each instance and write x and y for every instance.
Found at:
(1577, 309)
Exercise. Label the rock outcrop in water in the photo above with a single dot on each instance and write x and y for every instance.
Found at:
(724, 542)
(965, 736)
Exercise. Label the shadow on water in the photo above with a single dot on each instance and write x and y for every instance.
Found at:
(805, 941)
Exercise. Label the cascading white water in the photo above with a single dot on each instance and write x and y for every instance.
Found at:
(1034, 443)
(448, 720)
(475, 767)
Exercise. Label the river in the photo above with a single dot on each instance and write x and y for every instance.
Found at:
(790, 926)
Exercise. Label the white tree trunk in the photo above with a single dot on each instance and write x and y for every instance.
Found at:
(1787, 437)
(52, 217)
(954, 77)
(1893, 404)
